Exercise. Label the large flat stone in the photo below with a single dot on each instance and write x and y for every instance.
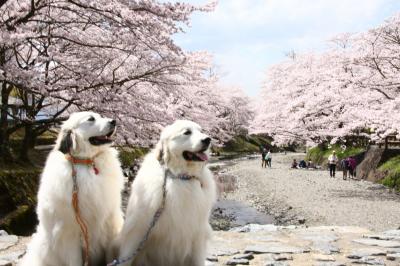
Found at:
(369, 261)
(275, 248)
(326, 248)
(393, 256)
(324, 258)
(392, 233)
(226, 252)
(319, 236)
(379, 243)
(247, 256)
(366, 252)
(7, 241)
(12, 256)
(383, 237)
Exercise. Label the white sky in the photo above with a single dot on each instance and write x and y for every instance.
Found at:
(247, 36)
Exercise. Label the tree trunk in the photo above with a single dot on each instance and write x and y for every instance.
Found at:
(27, 143)
(5, 153)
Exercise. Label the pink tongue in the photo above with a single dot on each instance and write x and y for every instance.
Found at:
(202, 156)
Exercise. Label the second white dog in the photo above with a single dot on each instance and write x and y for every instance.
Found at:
(179, 237)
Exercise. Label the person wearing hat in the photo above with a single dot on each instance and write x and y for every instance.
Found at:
(332, 161)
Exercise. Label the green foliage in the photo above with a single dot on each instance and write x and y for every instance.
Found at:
(240, 144)
(18, 189)
(128, 155)
(392, 168)
(320, 153)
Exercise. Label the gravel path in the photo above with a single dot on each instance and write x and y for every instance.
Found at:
(295, 196)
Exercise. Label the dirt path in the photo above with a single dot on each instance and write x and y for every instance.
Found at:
(312, 197)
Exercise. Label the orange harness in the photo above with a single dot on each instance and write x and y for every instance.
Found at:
(75, 203)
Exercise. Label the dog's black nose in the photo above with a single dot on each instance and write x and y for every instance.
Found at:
(113, 122)
(206, 141)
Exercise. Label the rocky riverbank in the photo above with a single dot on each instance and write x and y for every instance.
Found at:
(270, 245)
(311, 197)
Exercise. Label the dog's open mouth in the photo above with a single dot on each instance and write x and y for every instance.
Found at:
(199, 156)
(100, 140)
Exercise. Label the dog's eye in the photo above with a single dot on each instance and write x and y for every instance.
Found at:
(91, 119)
(187, 132)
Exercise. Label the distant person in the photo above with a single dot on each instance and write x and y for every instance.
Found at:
(263, 161)
(268, 159)
(344, 164)
(332, 161)
(294, 163)
(302, 164)
(352, 167)
(310, 165)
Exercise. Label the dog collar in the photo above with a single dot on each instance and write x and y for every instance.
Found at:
(181, 176)
(83, 161)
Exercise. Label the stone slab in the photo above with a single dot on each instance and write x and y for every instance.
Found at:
(379, 243)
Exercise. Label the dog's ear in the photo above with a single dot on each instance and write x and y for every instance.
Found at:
(162, 151)
(67, 142)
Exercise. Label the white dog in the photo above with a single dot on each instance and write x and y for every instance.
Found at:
(180, 235)
(85, 136)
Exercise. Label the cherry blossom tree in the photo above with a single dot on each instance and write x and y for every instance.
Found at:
(117, 57)
(350, 90)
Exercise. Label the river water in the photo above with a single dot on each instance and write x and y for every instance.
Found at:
(230, 213)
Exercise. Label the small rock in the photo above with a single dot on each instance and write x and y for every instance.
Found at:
(5, 263)
(275, 263)
(237, 262)
(393, 250)
(379, 243)
(212, 258)
(282, 257)
(369, 261)
(301, 220)
(3, 233)
(209, 263)
(393, 256)
(383, 237)
(330, 264)
(247, 256)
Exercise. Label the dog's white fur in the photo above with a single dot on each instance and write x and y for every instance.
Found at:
(179, 238)
(58, 241)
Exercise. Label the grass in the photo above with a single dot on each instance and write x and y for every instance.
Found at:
(392, 168)
(320, 154)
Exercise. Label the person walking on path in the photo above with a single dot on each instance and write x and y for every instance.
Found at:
(344, 164)
(268, 159)
(332, 161)
(352, 167)
(263, 161)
